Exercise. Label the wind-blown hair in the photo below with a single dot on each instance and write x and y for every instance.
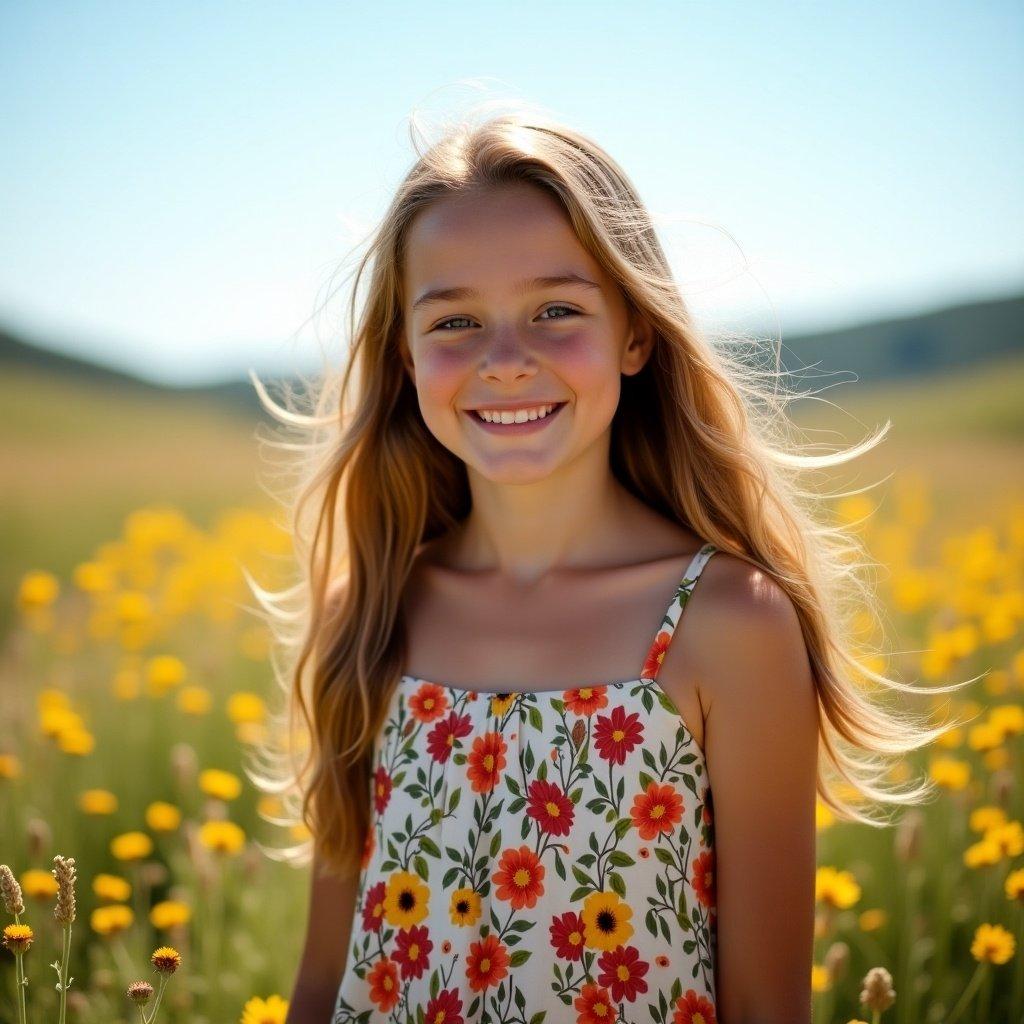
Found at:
(700, 435)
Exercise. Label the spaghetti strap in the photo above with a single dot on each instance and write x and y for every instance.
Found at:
(665, 631)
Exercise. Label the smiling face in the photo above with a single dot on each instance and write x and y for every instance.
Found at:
(505, 310)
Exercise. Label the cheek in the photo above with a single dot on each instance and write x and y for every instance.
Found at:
(440, 373)
(589, 368)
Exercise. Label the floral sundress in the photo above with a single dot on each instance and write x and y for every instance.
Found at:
(537, 857)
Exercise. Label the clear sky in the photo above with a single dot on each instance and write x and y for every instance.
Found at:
(178, 180)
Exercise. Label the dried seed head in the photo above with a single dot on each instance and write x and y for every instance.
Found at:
(837, 960)
(11, 891)
(166, 959)
(65, 873)
(140, 992)
(878, 993)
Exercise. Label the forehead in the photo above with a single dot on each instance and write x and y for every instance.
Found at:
(496, 237)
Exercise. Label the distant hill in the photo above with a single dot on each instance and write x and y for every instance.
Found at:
(884, 350)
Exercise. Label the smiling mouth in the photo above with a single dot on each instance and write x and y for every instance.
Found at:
(515, 417)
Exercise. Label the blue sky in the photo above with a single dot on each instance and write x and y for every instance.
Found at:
(179, 180)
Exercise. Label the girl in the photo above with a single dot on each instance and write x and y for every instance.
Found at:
(532, 465)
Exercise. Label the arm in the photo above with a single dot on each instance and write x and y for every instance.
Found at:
(332, 905)
(761, 739)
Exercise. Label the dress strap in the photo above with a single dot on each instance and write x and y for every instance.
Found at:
(663, 635)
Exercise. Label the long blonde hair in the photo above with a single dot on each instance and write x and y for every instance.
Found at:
(700, 435)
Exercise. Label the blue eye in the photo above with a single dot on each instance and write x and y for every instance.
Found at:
(441, 326)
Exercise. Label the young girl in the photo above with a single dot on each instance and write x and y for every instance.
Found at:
(533, 465)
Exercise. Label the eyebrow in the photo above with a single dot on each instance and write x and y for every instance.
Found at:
(530, 284)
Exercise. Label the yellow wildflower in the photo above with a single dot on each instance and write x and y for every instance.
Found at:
(40, 885)
(163, 673)
(222, 836)
(10, 766)
(272, 1010)
(169, 914)
(162, 817)
(1015, 885)
(982, 854)
(993, 944)
(984, 818)
(166, 959)
(820, 980)
(1009, 838)
(111, 919)
(77, 741)
(97, 801)
(220, 784)
(111, 888)
(131, 846)
(838, 888)
(1008, 719)
(38, 589)
(246, 707)
(823, 815)
(950, 773)
(18, 938)
(195, 700)
(873, 919)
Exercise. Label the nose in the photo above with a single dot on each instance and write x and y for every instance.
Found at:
(507, 357)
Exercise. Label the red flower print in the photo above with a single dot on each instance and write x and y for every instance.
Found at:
(441, 739)
(656, 655)
(373, 907)
(693, 1009)
(616, 734)
(429, 702)
(369, 845)
(708, 815)
(485, 761)
(623, 972)
(585, 700)
(519, 878)
(703, 877)
(567, 935)
(411, 948)
(659, 808)
(550, 808)
(381, 788)
(445, 1008)
(486, 962)
(383, 979)
(595, 1005)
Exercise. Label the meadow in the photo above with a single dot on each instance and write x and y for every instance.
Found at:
(135, 682)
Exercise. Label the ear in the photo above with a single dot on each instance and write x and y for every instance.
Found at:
(639, 344)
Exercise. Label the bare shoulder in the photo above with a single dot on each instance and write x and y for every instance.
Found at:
(743, 636)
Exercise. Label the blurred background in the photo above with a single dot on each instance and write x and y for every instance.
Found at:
(183, 187)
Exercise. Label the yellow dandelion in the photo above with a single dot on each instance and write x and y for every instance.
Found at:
(162, 817)
(873, 919)
(1009, 838)
(38, 589)
(1014, 885)
(246, 707)
(131, 846)
(111, 888)
(112, 919)
(220, 784)
(40, 885)
(820, 979)
(837, 888)
(94, 577)
(163, 672)
(79, 742)
(823, 816)
(169, 914)
(949, 773)
(195, 700)
(97, 801)
(993, 944)
(10, 766)
(18, 938)
(1008, 719)
(222, 836)
(982, 854)
(272, 1010)
(996, 759)
(984, 818)
(951, 738)
(166, 959)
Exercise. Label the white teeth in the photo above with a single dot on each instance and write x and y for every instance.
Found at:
(514, 415)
